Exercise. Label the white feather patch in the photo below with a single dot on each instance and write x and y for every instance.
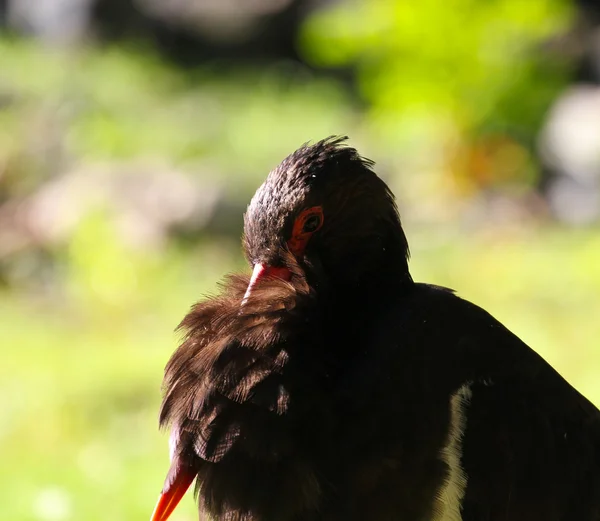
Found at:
(452, 492)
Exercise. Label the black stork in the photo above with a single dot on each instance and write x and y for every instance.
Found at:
(329, 386)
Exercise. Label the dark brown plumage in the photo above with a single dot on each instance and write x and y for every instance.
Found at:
(330, 386)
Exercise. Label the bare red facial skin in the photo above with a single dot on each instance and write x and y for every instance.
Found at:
(300, 237)
(261, 271)
(296, 244)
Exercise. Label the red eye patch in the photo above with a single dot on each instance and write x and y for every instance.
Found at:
(307, 223)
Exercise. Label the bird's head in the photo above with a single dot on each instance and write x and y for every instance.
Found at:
(325, 209)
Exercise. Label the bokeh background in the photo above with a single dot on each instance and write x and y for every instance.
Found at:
(133, 133)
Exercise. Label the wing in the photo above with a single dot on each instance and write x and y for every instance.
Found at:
(523, 444)
(531, 446)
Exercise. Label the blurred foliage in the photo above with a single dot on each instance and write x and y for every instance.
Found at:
(120, 103)
(447, 81)
(476, 63)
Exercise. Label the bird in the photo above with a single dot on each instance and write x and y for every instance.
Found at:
(328, 385)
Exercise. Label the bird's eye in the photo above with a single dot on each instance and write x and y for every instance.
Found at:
(311, 224)
(308, 222)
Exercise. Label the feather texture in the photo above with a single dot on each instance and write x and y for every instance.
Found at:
(236, 391)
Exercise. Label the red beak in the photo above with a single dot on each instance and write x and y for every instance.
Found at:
(261, 272)
(175, 487)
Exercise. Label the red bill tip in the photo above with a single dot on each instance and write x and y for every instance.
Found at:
(172, 494)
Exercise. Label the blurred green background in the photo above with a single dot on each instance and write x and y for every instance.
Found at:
(133, 133)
